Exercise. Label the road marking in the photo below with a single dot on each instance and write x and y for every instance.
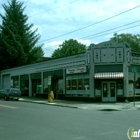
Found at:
(12, 107)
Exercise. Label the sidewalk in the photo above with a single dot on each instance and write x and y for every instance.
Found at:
(84, 105)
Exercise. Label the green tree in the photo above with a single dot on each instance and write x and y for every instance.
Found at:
(17, 39)
(132, 40)
(69, 47)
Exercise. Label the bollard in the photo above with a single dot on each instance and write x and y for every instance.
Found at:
(51, 97)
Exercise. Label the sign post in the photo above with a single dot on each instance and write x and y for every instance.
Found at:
(134, 70)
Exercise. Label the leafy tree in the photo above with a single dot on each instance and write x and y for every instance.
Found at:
(69, 47)
(17, 39)
(132, 40)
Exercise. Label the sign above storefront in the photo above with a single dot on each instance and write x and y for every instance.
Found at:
(76, 70)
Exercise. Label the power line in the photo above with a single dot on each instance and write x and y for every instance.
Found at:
(106, 33)
(92, 24)
(116, 31)
(110, 29)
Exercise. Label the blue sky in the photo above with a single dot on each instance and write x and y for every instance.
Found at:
(55, 18)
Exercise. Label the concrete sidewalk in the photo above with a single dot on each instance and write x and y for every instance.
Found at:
(84, 105)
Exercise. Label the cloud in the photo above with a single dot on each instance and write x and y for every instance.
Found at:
(85, 42)
(51, 46)
(57, 17)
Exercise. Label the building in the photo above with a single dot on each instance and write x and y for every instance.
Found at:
(107, 71)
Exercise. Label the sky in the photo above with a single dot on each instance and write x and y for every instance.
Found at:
(87, 21)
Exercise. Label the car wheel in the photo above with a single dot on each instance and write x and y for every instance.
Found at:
(16, 99)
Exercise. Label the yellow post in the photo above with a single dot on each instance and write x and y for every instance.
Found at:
(51, 97)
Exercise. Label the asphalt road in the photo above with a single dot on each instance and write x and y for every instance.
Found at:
(29, 121)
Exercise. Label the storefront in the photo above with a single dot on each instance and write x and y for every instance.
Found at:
(77, 82)
(109, 86)
(104, 72)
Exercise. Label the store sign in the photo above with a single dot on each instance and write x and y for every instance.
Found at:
(76, 70)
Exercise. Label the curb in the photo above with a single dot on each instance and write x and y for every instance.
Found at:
(48, 104)
(62, 105)
(68, 106)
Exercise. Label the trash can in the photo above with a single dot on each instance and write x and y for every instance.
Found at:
(51, 97)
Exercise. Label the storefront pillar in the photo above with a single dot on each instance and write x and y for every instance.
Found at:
(42, 82)
(125, 72)
(30, 86)
(19, 82)
(64, 79)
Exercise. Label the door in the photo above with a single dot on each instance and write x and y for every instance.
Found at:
(108, 91)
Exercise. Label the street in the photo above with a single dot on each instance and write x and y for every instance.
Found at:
(30, 121)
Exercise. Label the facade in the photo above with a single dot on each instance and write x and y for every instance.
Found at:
(105, 72)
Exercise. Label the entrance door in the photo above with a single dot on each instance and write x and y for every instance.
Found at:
(108, 92)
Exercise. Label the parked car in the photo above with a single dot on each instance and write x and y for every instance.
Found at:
(2, 95)
(12, 93)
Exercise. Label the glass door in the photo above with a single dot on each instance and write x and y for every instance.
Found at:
(108, 92)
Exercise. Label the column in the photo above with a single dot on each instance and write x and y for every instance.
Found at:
(30, 86)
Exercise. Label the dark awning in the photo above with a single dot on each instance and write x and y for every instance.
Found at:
(109, 75)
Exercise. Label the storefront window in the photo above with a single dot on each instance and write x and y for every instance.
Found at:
(98, 84)
(68, 85)
(86, 84)
(120, 84)
(77, 84)
(24, 84)
(74, 84)
(15, 81)
(80, 84)
(137, 83)
(46, 87)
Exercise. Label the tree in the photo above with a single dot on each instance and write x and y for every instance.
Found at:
(69, 47)
(132, 40)
(17, 39)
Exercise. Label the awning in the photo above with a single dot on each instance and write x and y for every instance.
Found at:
(109, 75)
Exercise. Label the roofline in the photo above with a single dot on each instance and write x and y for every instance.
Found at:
(53, 59)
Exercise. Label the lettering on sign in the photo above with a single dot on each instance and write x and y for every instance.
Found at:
(76, 70)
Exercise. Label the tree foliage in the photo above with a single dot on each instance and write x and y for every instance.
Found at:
(132, 40)
(17, 39)
(69, 47)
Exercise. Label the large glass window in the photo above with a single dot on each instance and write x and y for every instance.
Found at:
(120, 84)
(68, 85)
(80, 84)
(15, 81)
(74, 84)
(86, 84)
(77, 84)
(137, 84)
(24, 84)
(46, 86)
(98, 84)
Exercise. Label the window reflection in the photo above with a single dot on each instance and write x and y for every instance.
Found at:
(86, 84)
(120, 84)
(74, 84)
(137, 85)
(80, 84)
(68, 85)
(77, 84)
